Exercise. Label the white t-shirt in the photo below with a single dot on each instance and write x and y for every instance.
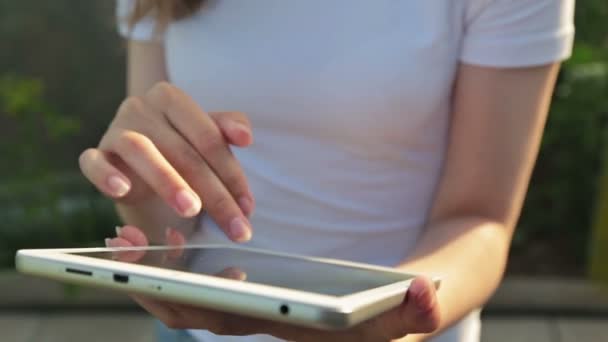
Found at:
(349, 102)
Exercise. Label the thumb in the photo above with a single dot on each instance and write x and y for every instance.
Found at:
(235, 127)
(420, 311)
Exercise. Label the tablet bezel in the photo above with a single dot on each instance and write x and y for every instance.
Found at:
(319, 310)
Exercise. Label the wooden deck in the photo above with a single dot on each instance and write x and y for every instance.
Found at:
(97, 327)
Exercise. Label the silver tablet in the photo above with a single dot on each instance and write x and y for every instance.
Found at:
(314, 292)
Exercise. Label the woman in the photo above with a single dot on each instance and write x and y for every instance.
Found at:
(400, 133)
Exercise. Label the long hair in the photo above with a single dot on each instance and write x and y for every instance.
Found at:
(164, 11)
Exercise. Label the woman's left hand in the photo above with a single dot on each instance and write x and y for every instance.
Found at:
(418, 313)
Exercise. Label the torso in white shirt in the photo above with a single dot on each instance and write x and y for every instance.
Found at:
(350, 105)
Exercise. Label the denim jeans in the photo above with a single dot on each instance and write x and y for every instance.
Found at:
(164, 334)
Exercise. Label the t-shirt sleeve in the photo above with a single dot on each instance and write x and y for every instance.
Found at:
(143, 30)
(517, 33)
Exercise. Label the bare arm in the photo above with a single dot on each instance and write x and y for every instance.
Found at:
(497, 124)
(145, 68)
(498, 119)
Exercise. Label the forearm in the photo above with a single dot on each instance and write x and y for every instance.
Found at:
(469, 254)
(153, 217)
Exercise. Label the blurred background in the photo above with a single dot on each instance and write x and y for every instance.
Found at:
(62, 77)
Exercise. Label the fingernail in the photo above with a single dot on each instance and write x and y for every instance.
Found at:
(240, 230)
(235, 274)
(241, 131)
(118, 230)
(118, 186)
(246, 205)
(169, 232)
(188, 203)
(241, 127)
(108, 242)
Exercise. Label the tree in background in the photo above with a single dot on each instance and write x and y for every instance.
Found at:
(61, 78)
(555, 225)
(595, 37)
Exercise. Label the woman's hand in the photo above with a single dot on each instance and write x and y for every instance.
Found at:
(419, 312)
(164, 145)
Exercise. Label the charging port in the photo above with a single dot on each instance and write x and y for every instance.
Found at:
(76, 271)
(121, 278)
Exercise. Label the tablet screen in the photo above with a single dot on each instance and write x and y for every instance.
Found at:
(261, 268)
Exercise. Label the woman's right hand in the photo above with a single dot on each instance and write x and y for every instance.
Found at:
(164, 145)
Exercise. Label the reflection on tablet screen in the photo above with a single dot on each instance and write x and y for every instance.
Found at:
(260, 268)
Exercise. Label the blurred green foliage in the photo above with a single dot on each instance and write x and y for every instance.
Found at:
(34, 125)
(59, 89)
(61, 78)
(598, 266)
(557, 214)
(554, 230)
(42, 206)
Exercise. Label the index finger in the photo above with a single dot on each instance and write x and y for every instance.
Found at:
(202, 133)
